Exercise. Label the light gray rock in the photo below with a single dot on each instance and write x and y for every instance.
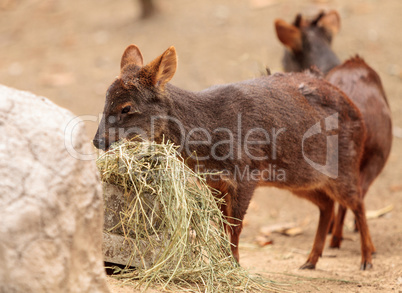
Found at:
(51, 204)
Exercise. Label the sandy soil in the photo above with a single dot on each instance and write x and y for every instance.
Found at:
(69, 51)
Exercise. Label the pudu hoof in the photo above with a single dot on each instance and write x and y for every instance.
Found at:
(308, 266)
(366, 266)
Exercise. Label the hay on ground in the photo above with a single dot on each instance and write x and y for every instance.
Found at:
(171, 209)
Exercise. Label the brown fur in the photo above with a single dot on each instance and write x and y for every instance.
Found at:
(363, 86)
(288, 105)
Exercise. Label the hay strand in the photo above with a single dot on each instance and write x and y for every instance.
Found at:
(171, 213)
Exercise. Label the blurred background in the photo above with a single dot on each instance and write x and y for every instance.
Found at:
(69, 51)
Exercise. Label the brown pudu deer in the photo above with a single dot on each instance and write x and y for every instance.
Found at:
(244, 130)
(309, 43)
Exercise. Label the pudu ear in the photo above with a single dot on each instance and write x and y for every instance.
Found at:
(298, 20)
(132, 55)
(163, 68)
(330, 22)
(289, 35)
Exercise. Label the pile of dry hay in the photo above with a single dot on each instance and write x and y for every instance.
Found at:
(175, 213)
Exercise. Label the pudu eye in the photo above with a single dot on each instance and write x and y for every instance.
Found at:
(126, 109)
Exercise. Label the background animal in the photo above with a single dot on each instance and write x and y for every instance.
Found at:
(308, 43)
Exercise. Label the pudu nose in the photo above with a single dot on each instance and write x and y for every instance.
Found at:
(99, 143)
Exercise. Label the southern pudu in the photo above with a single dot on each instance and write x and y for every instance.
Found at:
(308, 43)
(296, 122)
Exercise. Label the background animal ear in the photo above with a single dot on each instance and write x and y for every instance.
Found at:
(330, 22)
(289, 35)
(298, 20)
(163, 68)
(132, 55)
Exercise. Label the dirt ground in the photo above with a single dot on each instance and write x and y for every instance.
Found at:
(69, 51)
